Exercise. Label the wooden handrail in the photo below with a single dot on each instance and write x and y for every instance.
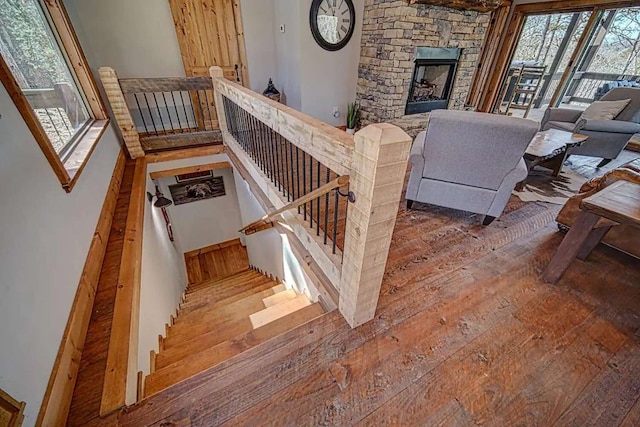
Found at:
(318, 192)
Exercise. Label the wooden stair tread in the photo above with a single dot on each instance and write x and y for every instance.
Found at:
(221, 282)
(198, 362)
(227, 289)
(277, 311)
(279, 297)
(230, 294)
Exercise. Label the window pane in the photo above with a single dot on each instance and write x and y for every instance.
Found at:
(31, 51)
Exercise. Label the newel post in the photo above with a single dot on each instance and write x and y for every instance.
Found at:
(216, 74)
(121, 111)
(378, 171)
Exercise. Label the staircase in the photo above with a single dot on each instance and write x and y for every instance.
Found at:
(222, 318)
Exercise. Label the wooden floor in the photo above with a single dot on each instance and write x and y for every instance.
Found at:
(465, 334)
(85, 404)
(216, 261)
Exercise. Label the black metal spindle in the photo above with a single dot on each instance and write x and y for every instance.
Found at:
(298, 174)
(318, 203)
(65, 121)
(277, 157)
(304, 180)
(168, 112)
(291, 170)
(144, 123)
(272, 161)
(335, 222)
(326, 209)
(175, 107)
(184, 107)
(286, 169)
(146, 100)
(310, 190)
(256, 134)
(155, 100)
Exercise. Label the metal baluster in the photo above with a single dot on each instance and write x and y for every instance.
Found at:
(335, 221)
(304, 180)
(150, 114)
(298, 174)
(318, 203)
(168, 112)
(184, 107)
(310, 190)
(291, 185)
(286, 169)
(155, 99)
(175, 107)
(278, 168)
(144, 123)
(46, 110)
(256, 132)
(272, 154)
(326, 209)
(64, 121)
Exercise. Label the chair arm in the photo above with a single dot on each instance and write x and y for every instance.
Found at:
(509, 182)
(566, 115)
(417, 166)
(611, 126)
(417, 148)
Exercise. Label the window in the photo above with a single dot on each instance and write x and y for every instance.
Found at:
(45, 73)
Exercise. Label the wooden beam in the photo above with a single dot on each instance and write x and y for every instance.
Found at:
(474, 5)
(189, 169)
(121, 112)
(57, 398)
(121, 368)
(174, 140)
(165, 84)
(567, 6)
(327, 144)
(188, 153)
(377, 175)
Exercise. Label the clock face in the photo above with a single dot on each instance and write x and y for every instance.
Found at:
(332, 22)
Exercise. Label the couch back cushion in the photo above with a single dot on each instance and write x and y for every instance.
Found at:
(631, 113)
(474, 149)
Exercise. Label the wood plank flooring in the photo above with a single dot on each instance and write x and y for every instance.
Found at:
(465, 333)
(85, 403)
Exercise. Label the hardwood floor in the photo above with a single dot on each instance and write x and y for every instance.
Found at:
(85, 403)
(465, 333)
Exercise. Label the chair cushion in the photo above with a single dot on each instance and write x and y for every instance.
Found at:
(569, 127)
(605, 110)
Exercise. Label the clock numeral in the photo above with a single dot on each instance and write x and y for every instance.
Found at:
(345, 11)
(341, 3)
(334, 3)
(346, 20)
(343, 29)
(323, 10)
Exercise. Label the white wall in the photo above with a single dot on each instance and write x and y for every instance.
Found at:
(258, 22)
(205, 222)
(163, 280)
(45, 235)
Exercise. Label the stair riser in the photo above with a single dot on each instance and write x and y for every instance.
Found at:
(228, 299)
(186, 363)
(224, 331)
(214, 283)
(228, 289)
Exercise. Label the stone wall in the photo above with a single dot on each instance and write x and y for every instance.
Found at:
(391, 31)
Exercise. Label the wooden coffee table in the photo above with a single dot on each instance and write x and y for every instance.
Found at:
(616, 204)
(549, 149)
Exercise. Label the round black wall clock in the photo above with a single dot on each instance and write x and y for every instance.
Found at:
(332, 22)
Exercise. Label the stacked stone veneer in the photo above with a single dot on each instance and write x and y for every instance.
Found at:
(390, 34)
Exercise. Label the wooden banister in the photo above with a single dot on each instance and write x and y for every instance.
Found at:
(340, 181)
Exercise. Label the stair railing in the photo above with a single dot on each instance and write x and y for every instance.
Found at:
(265, 222)
(289, 156)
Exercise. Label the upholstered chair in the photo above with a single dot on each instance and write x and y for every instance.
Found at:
(607, 138)
(469, 161)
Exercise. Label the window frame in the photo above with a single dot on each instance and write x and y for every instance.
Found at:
(68, 168)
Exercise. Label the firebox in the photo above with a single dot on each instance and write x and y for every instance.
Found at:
(433, 76)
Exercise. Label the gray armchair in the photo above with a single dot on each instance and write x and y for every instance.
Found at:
(607, 138)
(469, 161)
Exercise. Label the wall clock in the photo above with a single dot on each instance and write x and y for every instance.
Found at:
(332, 22)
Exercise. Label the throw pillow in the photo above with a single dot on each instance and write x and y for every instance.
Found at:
(604, 110)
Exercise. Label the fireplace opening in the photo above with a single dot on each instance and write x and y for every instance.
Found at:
(433, 76)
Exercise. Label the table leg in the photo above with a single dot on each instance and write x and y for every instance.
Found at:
(592, 241)
(557, 162)
(570, 246)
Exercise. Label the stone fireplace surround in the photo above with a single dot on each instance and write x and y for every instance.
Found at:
(391, 32)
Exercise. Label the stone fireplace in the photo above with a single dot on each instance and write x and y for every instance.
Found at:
(394, 37)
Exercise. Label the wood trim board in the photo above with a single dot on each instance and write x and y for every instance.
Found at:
(123, 342)
(9, 405)
(189, 169)
(167, 156)
(57, 398)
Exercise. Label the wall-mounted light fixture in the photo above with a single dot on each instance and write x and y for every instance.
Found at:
(161, 202)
